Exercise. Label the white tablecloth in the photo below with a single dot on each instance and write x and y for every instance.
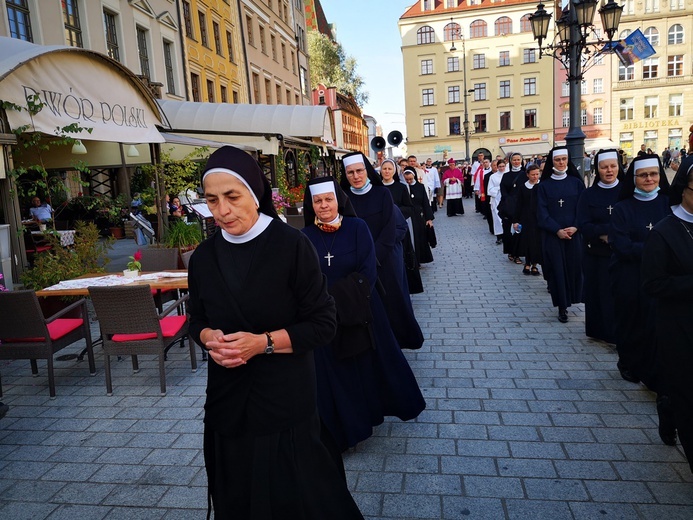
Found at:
(67, 236)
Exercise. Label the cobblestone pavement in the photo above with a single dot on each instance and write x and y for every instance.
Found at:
(526, 419)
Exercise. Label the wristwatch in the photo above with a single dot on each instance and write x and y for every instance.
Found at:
(269, 349)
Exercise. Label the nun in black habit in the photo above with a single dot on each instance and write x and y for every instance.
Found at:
(595, 207)
(421, 217)
(557, 199)
(362, 374)
(373, 203)
(259, 304)
(401, 198)
(642, 203)
(667, 276)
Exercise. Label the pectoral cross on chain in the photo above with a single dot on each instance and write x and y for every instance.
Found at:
(609, 207)
(329, 258)
(649, 228)
(561, 201)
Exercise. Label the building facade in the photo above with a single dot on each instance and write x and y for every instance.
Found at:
(350, 127)
(142, 35)
(650, 97)
(274, 34)
(506, 89)
(214, 55)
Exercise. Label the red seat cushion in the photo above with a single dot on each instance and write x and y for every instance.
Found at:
(170, 325)
(56, 330)
(162, 291)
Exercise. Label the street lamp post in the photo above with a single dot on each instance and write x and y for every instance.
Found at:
(570, 45)
(465, 123)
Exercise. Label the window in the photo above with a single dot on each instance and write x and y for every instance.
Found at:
(503, 26)
(675, 65)
(203, 28)
(479, 61)
(452, 31)
(263, 43)
(188, 20)
(195, 87)
(454, 125)
(530, 118)
(256, 87)
(597, 116)
(649, 68)
(453, 64)
(565, 118)
(249, 28)
(504, 89)
(583, 117)
(529, 56)
(293, 62)
(428, 5)
(427, 67)
(109, 22)
(651, 6)
(304, 79)
(168, 65)
(675, 105)
(217, 38)
(479, 91)
(505, 121)
(676, 5)
(530, 86)
(73, 30)
(599, 59)
(504, 58)
(597, 86)
(480, 123)
(454, 94)
(583, 87)
(273, 46)
(626, 73)
(425, 35)
(624, 33)
(652, 36)
(427, 97)
(210, 91)
(284, 55)
(429, 126)
(675, 34)
(478, 29)
(224, 98)
(229, 46)
(19, 21)
(278, 93)
(525, 23)
(142, 52)
(451, 3)
(268, 91)
(651, 104)
(626, 109)
(234, 96)
(565, 89)
(288, 96)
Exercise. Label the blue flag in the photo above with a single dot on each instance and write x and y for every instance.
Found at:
(633, 48)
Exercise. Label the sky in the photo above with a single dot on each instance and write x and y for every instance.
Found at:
(367, 30)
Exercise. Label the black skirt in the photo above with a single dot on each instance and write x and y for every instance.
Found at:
(288, 474)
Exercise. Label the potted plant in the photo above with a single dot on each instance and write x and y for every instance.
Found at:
(183, 236)
(295, 200)
(115, 211)
(134, 266)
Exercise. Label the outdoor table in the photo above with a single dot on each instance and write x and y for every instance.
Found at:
(67, 236)
(161, 280)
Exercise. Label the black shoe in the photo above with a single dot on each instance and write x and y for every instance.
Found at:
(499, 241)
(667, 426)
(3, 410)
(526, 270)
(628, 375)
(563, 315)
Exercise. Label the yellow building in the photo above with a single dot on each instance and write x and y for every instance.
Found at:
(509, 91)
(213, 55)
(650, 97)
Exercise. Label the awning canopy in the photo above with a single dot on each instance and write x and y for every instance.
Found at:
(527, 149)
(79, 86)
(598, 144)
(268, 121)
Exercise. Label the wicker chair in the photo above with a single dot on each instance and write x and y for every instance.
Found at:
(160, 259)
(26, 334)
(131, 326)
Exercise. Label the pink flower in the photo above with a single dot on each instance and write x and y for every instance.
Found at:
(137, 256)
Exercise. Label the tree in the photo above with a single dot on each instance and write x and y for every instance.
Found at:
(330, 66)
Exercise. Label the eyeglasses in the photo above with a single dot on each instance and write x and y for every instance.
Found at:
(359, 171)
(646, 175)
